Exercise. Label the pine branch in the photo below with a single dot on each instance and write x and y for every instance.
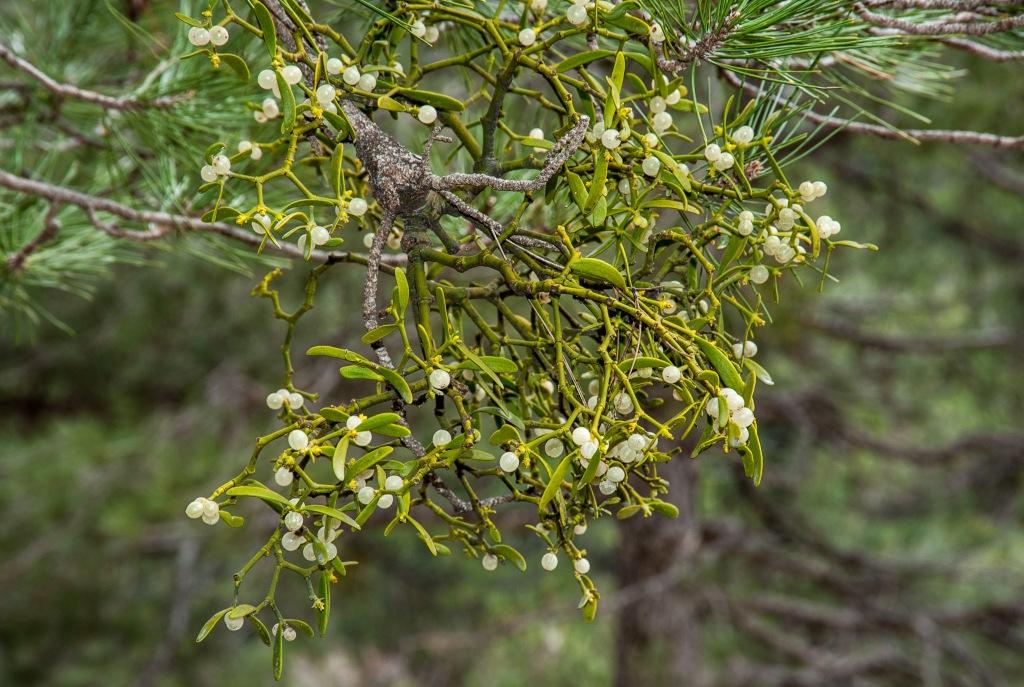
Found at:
(161, 223)
(64, 90)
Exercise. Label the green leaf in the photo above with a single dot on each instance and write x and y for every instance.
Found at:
(507, 552)
(386, 102)
(725, 368)
(504, 434)
(401, 290)
(331, 513)
(240, 611)
(259, 492)
(398, 381)
(339, 457)
(494, 362)
(266, 22)
(641, 362)
(287, 104)
(629, 511)
(261, 629)
(343, 354)
(278, 658)
(597, 181)
(237, 65)
(372, 423)
(598, 270)
(337, 167)
(753, 458)
(424, 535)
(369, 460)
(301, 625)
(189, 20)
(325, 597)
(664, 508)
(357, 372)
(333, 415)
(210, 624)
(760, 372)
(379, 333)
(555, 483)
(393, 431)
(438, 100)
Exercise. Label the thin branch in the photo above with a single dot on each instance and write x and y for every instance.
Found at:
(16, 262)
(914, 135)
(64, 90)
(92, 205)
(941, 27)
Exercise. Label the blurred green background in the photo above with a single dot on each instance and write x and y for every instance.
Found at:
(884, 547)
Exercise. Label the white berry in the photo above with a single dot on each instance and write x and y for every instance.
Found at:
(580, 436)
(293, 520)
(527, 37)
(549, 561)
(198, 36)
(440, 379)
(298, 440)
(581, 565)
(219, 35)
(489, 561)
(576, 14)
(671, 374)
(292, 75)
(195, 509)
(351, 75)
(394, 483)
(357, 207)
(283, 476)
(233, 623)
(427, 114)
(508, 462)
(334, 67)
(442, 437)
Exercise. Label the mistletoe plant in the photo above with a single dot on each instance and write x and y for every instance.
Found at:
(564, 342)
(570, 248)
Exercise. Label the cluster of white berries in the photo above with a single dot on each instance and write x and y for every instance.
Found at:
(351, 75)
(827, 226)
(254, 150)
(746, 349)
(588, 444)
(721, 160)
(577, 12)
(745, 227)
(774, 246)
(318, 236)
(277, 399)
(215, 35)
(203, 508)
(219, 167)
(288, 633)
(362, 438)
(326, 534)
(812, 190)
(739, 415)
(662, 120)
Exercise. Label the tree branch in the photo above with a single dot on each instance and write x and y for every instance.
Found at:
(64, 90)
(165, 220)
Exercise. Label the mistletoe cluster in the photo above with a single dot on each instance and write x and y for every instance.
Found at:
(566, 307)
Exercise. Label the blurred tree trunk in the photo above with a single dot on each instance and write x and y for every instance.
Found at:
(658, 641)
